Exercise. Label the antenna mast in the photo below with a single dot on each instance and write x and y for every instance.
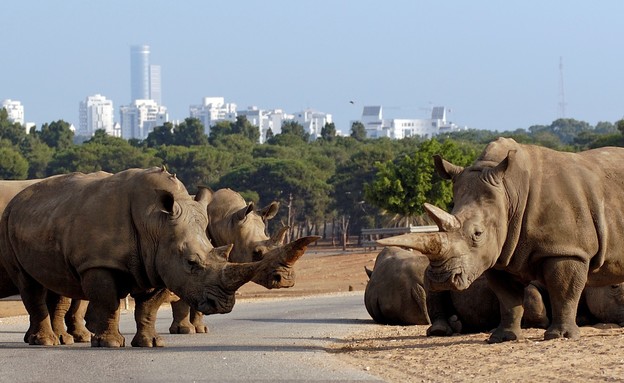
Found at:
(562, 103)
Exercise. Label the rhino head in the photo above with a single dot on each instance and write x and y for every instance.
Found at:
(232, 220)
(471, 238)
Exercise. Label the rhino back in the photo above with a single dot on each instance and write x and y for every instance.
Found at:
(562, 203)
(79, 221)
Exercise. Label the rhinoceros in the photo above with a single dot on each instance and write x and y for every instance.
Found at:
(233, 221)
(395, 292)
(59, 306)
(524, 213)
(101, 236)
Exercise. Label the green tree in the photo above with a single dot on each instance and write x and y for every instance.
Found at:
(13, 165)
(358, 131)
(11, 131)
(190, 132)
(196, 165)
(57, 134)
(402, 186)
(328, 132)
(245, 128)
(38, 155)
(161, 135)
(218, 130)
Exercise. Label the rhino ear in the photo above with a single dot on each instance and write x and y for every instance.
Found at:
(269, 211)
(242, 213)
(496, 174)
(446, 169)
(167, 203)
(204, 195)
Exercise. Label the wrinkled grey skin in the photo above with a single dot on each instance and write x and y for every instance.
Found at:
(100, 237)
(523, 213)
(395, 291)
(396, 294)
(231, 220)
(57, 305)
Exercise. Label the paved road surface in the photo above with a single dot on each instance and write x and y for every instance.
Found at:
(259, 341)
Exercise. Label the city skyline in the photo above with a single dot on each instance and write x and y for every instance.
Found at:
(497, 68)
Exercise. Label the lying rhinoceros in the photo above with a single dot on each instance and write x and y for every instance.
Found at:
(100, 237)
(524, 213)
(396, 294)
(232, 221)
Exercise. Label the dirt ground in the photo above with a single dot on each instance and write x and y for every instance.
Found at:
(405, 354)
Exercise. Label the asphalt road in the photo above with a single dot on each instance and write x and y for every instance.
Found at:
(259, 341)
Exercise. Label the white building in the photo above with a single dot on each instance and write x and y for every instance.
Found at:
(15, 110)
(96, 112)
(396, 128)
(155, 88)
(265, 120)
(141, 117)
(213, 110)
(313, 121)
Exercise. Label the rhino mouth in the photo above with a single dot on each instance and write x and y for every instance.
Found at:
(446, 279)
(213, 305)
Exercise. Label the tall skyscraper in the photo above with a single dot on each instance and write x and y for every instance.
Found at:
(155, 87)
(139, 72)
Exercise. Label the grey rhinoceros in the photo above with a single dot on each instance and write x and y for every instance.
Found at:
(231, 220)
(524, 213)
(100, 237)
(59, 306)
(396, 294)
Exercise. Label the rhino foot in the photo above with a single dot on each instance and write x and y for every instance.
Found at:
(503, 335)
(201, 329)
(440, 328)
(81, 335)
(108, 340)
(65, 338)
(562, 331)
(43, 339)
(143, 340)
(182, 328)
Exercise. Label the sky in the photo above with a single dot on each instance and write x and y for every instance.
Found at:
(495, 64)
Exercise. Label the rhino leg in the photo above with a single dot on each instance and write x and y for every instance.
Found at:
(75, 321)
(103, 311)
(197, 319)
(145, 310)
(510, 294)
(439, 309)
(57, 307)
(34, 298)
(565, 279)
(181, 318)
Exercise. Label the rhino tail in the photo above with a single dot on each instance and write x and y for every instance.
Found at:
(369, 272)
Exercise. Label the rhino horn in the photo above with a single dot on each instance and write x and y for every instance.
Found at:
(444, 220)
(295, 249)
(433, 245)
(234, 275)
(277, 239)
(243, 212)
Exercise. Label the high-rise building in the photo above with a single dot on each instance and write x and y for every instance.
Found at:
(15, 110)
(212, 110)
(141, 117)
(313, 121)
(139, 72)
(96, 112)
(155, 88)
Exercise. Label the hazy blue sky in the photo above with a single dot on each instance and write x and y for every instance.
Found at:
(495, 64)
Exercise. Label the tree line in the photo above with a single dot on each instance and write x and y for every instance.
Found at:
(332, 186)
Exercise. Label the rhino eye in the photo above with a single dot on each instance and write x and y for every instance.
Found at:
(192, 264)
(476, 236)
(257, 255)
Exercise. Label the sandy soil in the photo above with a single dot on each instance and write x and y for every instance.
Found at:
(405, 354)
